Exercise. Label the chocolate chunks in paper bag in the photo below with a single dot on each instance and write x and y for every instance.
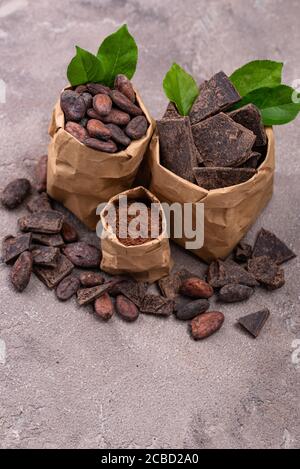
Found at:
(216, 178)
(221, 142)
(250, 117)
(216, 94)
(177, 149)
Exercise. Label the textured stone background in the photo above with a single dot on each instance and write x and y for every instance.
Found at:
(66, 379)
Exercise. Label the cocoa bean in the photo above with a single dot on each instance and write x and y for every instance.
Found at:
(91, 279)
(88, 99)
(232, 293)
(192, 309)
(41, 173)
(84, 122)
(118, 135)
(102, 104)
(96, 88)
(97, 129)
(45, 256)
(122, 102)
(194, 287)
(39, 203)
(77, 131)
(52, 276)
(107, 147)
(69, 233)
(83, 255)
(15, 193)
(93, 114)
(42, 222)
(13, 246)
(206, 324)
(73, 105)
(67, 287)
(21, 271)
(80, 89)
(104, 307)
(137, 127)
(116, 117)
(124, 85)
(126, 308)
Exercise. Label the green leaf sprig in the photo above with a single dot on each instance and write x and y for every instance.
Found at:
(118, 54)
(181, 89)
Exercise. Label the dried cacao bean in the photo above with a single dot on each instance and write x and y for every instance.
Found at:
(194, 287)
(137, 127)
(41, 173)
(104, 307)
(102, 104)
(192, 309)
(77, 131)
(97, 129)
(116, 117)
(107, 147)
(69, 233)
(21, 271)
(81, 89)
(126, 309)
(73, 105)
(206, 324)
(88, 99)
(122, 102)
(124, 85)
(91, 279)
(67, 287)
(83, 255)
(233, 293)
(15, 193)
(97, 88)
(118, 135)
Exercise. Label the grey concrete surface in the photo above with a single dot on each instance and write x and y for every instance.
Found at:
(70, 381)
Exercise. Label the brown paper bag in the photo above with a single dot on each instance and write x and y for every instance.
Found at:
(146, 262)
(81, 178)
(228, 212)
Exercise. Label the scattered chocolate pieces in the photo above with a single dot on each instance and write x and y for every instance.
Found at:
(267, 244)
(13, 246)
(126, 308)
(39, 203)
(216, 178)
(15, 192)
(194, 287)
(49, 222)
(87, 295)
(21, 271)
(134, 291)
(52, 276)
(155, 304)
(250, 117)
(177, 149)
(242, 252)
(54, 240)
(104, 307)
(254, 322)
(206, 324)
(216, 94)
(45, 256)
(233, 292)
(169, 286)
(221, 142)
(91, 279)
(67, 287)
(222, 273)
(266, 272)
(192, 309)
(83, 255)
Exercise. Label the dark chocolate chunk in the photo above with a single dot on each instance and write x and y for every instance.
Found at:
(87, 295)
(54, 240)
(51, 276)
(91, 279)
(250, 117)
(267, 244)
(49, 222)
(171, 112)
(15, 192)
(104, 307)
(39, 203)
(156, 304)
(83, 255)
(69, 233)
(234, 292)
(266, 272)
(216, 94)
(13, 246)
(67, 287)
(45, 256)
(254, 322)
(253, 162)
(133, 290)
(21, 271)
(242, 252)
(177, 149)
(221, 142)
(126, 309)
(216, 178)
(222, 273)
(191, 309)
(169, 286)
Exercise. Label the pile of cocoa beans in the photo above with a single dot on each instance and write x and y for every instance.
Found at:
(102, 118)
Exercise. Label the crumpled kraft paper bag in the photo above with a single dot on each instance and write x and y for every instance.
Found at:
(228, 212)
(81, 178)
(146, 262)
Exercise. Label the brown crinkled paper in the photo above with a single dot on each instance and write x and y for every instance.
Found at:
(81, 178)
(146, 262)
(228, 212)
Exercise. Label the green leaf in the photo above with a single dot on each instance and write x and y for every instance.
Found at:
(84, 67)
(257, 74)
(276, 104)
(180, 88)
(118, 54)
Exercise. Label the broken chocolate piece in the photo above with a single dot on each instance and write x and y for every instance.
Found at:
(45, 255)
(87, 295)
(49, 222)
(250, 117)
(134, 291)
(83, 255)
(191, 309)
(215, 95)
(254, 322)
(169, 286)
(13, 246)
(67, 287)
(221, 142)
(54, 240)
(253, 162)
(266, 272)
(156, 304)
(52, 276)
(171, 112)
(267, 244)
(177, 149)
(222, 273)
(39, 203)
(216, 178)
(234, 292)
(242, 252)
(21, 271)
